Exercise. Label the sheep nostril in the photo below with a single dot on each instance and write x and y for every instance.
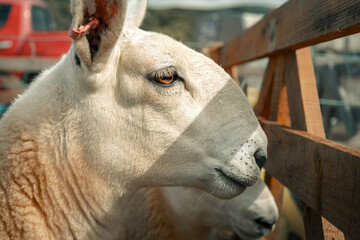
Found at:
(264, 224)
(260, 158)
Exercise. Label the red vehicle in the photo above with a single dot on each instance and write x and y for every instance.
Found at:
(27, 30)
(28, 43)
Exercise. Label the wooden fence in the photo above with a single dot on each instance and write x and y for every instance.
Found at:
(323, 174)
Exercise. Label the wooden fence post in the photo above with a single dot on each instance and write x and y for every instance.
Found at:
(306, 115)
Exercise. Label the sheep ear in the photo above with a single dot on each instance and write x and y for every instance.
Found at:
(96, 27)
(136, 11)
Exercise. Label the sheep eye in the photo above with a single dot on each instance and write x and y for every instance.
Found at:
(166, 79)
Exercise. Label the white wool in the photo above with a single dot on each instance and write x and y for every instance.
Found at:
(181, 213)
(82, 139)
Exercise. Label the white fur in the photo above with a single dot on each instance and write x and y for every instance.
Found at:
(136, 11)
(188, 213)
(82, 139)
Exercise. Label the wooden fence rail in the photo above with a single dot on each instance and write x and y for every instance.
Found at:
(296, 24)
(323, 174)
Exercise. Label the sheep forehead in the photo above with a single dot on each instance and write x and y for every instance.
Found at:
(156, 51)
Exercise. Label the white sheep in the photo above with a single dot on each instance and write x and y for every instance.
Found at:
(122, 110)
(187, 213)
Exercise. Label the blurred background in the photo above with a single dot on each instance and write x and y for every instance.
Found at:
(33, 36)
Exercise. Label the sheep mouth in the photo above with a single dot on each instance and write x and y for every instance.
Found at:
(235, 237)
(242, 234)
(229, 180)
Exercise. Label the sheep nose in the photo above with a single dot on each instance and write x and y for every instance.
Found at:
(263, 224)
(260, 158)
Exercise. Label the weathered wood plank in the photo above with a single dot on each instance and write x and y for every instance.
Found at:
(306, 115)
(302, 93)
(283, 115)
(263, 105)
(323, 174)
(278, 83)
(296, 24)
(312, 218)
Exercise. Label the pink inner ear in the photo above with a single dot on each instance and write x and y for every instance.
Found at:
(103, 13)
(83, 29)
